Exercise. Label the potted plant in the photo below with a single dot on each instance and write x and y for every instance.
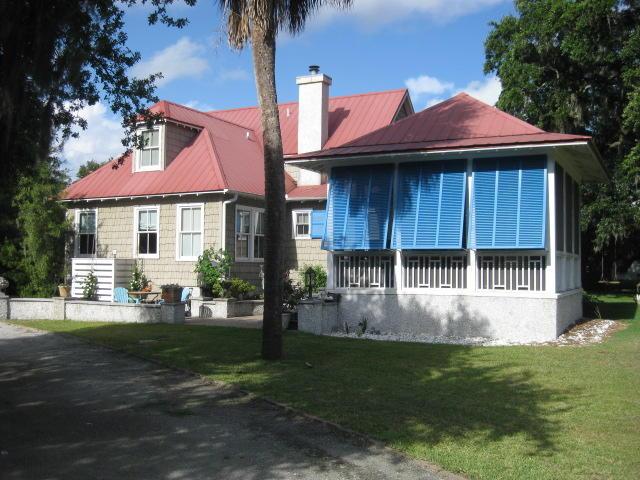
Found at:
(213, 267)
(138, 281)
(64, 288)
(293, 293)
(171, 293)
(238, 288)
(90, 286)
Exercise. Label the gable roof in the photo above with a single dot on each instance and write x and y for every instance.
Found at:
(460, 122)
(350, 117)
(226, 154)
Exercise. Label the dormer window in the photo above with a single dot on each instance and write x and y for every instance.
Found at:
(151, 155)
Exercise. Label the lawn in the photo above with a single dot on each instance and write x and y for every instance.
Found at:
(485, 412)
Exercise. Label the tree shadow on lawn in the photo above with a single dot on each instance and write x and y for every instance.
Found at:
(411, 395)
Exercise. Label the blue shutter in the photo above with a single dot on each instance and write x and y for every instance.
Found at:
(358, 208)
(509, 203)
(430, 205)
(318, 219)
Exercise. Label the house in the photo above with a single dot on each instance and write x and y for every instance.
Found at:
(199, 183)
(459, 220)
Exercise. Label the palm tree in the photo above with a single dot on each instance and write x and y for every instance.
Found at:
(257, 22)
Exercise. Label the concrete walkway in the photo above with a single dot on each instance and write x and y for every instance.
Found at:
(253, 321)
(70, 410)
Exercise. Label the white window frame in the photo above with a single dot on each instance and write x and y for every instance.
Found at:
(179, 209)
(253, 217)
(294, 224)
(136, 219)
(77, 253)
(161, 150)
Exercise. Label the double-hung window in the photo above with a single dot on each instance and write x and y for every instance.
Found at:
(86, 227)
(150, 153)
(190, 231)
(301, 224)
(250, 226)
(147, 232)
(258, 238)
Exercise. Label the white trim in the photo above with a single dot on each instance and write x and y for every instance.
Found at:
(161, 128)
(294, 224)
(251, 235)
(76, 225)
(488, 150)
(551, 226)
(135, 197)
(456, 292)
(136, 211)
(179, 208)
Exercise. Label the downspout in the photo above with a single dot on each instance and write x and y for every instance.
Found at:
(223, 226)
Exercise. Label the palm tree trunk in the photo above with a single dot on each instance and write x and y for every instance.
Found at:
(264, 59)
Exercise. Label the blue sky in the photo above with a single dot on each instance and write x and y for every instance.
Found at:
(433, 47)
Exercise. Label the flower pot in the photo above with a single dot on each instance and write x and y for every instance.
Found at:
(64, 291)
(171, 294)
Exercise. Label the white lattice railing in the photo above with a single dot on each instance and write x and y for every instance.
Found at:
(434, 271)
(363, 271)
(511, 272)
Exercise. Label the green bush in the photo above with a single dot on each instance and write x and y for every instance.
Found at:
(90, 286)
(236, 288)
(138, 279)
(213, 266)
(321, 277)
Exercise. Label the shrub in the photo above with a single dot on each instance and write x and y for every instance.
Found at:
(90, 286)
(236, 287)
(213, 267)
(138, 279)
(321, 277)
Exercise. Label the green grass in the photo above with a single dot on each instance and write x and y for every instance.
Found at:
(500, 412)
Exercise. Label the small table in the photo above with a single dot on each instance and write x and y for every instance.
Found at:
(143, 297)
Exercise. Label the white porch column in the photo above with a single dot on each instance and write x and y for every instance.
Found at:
(472, 265)
(551, 230)
(330, 281)
(397, 270)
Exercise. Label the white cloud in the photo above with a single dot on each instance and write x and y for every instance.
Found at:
(372, 13)
(181, 60)
(100, 141)
(487, 90)
(198, 105)
(426, 85)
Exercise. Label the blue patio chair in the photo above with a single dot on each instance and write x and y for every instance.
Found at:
(121, 295)
(186, 298)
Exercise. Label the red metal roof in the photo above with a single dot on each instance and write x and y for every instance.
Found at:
(460, 122)
(227, 152)
(349, 117)
(308, 192)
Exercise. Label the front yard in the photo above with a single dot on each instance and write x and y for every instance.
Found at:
(486, 412)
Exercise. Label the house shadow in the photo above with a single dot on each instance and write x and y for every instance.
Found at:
(439, 392)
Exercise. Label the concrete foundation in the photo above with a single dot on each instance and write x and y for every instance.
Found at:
(509, 318)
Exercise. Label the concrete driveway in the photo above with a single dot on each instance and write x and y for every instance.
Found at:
(72, 410)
